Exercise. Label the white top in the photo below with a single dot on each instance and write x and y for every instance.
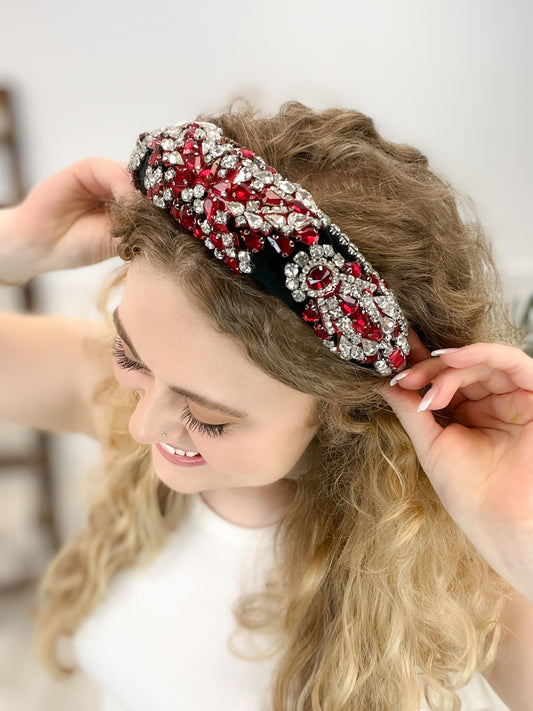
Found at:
(158, 642)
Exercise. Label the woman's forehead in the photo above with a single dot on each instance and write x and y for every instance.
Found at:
(173, 337)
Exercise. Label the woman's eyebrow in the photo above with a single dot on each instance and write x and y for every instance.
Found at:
(195, 397)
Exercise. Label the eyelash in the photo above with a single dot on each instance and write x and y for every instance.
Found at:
(187, 417)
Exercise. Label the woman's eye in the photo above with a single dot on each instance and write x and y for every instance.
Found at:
(202, 427)
(122, 360)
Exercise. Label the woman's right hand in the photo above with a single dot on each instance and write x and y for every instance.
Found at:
(63, 223)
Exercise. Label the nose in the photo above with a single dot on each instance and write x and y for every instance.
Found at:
(154, 415)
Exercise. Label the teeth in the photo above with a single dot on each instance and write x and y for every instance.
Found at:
(174, 450)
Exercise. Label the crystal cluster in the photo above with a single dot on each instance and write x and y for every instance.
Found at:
(237, 205)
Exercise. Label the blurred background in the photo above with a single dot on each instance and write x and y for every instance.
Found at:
(452, 77)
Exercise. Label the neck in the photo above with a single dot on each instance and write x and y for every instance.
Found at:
(251, 507)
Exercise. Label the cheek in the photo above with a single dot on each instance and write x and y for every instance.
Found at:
(129, 379)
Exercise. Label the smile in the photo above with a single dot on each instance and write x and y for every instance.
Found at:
(174, 450)
(179, 457)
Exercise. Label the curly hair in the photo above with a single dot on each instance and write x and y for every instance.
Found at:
(376, 594)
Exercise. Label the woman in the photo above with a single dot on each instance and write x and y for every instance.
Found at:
(372, 540)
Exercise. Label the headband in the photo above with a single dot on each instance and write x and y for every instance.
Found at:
(260, 224)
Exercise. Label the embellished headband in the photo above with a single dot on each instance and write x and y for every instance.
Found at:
(260, 224)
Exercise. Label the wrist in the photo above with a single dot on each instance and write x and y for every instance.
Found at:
(16, 257)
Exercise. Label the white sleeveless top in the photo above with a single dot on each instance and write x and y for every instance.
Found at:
(159, 640)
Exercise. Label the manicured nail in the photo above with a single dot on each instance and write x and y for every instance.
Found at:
(400, 376)
(444, 351)
(427, 399)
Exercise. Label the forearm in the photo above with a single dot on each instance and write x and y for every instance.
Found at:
(512, 671)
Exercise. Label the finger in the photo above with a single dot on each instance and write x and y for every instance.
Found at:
(420, 426)
(102, 178)
(509, 360)
(475, 383)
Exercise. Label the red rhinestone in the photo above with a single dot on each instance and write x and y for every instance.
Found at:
(299, 207)
(185, 217)
(396, 359)
(310, 313)
(206, 177)
(198, 232)
(221, 188)
(272, 197)
(282, 244)
(321, 331)
(241, 193)
(349, 305)
(211, 207)
(233, 263)
(253, 240)
(319, 277)
(182, 179)
(216, 239)
(354, 269)
(308, 236)
(247, 153)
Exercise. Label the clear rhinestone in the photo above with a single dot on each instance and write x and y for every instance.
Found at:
(328, 250)
(369, 347)
(243, 176)
(253, 205)
(299, 295)
(168, 194)
(198, 206)
(277, 221)
(209, 244)
(200, 134)
(316, 251)
(240, 221)
(382, 367)
(338, 260)
(291, 270)
(229, 161)
(231, 252)
(236, 208)
(227, 240)
(300, 258)
(292, 284)
(206, 227)
(298, 221)
(186, 194)
(170, 174)
(218, 151)
(218, 254)
(167, 144)
(173, 158)
(287, 187)
(265, 176)
(158, 201)
(357, 353)
(245, 267)
(388, 325)
(198, 191)
(255, 221)
(221, 218)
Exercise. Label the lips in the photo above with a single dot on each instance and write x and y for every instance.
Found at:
(179, 457)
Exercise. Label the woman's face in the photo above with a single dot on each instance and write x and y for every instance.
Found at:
(234, 425)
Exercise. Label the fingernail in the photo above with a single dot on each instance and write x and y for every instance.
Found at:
(444, 351)
(427, 399)
(400, 376)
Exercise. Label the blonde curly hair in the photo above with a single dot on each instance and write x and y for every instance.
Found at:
(376, 593)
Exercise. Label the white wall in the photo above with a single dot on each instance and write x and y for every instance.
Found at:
(453, 77)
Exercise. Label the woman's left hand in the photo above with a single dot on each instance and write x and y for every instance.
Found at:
(481, 465)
